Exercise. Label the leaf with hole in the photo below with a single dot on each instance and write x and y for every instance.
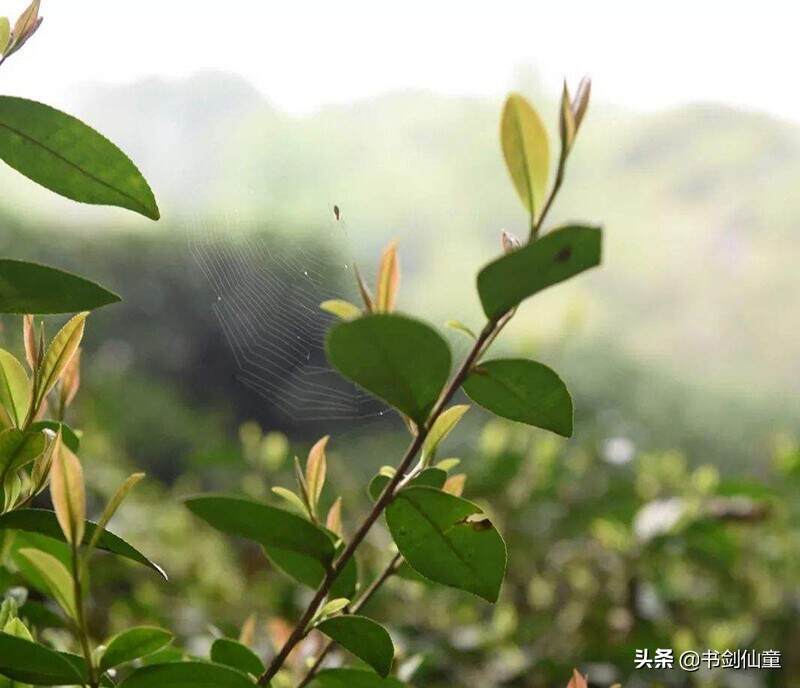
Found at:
(63, 154)
(526, 150)
(234, 654)
(444, 538)
(365, 638)
(132, 644)
(522, 390)
(400, 360)
(187, 675)
(44, 521)
(557, 256)
(33, 288)
(267, 525)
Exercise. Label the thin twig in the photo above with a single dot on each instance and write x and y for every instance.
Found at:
(81, 617)
(388, 572)
(382, 502)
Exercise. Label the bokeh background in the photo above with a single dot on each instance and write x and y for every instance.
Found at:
(670, 520)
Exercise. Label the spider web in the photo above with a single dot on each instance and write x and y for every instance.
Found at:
(267, 293)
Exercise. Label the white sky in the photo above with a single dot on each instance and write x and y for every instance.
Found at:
(303, 54)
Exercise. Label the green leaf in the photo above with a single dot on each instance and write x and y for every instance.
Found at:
(365, 638)
(461, 327)
(430, 477)
(233, 654)
(63, 154)
(49, 573)
(17, 449)
(309, 571)
(15, 388)
(187, 675)
(332, 606)
(33, 288)
(443, 426)
(28, 662)
(133, 644)
(555, 257)
(68, 435)
(526, 150)
(522, 390)
(352, 678)
(291, 498)
(438, 535)
(44, 521)
(402, 361)
(264, 524)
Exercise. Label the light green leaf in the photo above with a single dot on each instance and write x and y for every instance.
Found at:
(352, 678)
(5, 33)
(45, 569)
(113, 504)
(187, 675)
(68, 435)
(59, 353)
(526, 150)
(522, 390)
(65, 155)
(28, 662)
(33, 288)
(264, 524)
(443, 426)
(333, 606)
(133, 644)
(44, 522)
(429, 477)
(555, 257)
(440, 537)
(402, 361)
(344, 310)
(291, 498)
(15, 388)
(234, 654)
(448, 465)
(365, 638)
(68, 494)
(461, 327)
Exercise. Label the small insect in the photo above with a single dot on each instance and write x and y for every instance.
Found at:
(337, 213)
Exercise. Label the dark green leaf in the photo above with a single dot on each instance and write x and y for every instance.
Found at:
(403, 361)
(352, 678)
(365, 638)
(522, 390)
(65, 155)
(234, 654)
(133, 644)
(17, 449)
(264, 524)
(557, 256)
(33, 288)
(29, 662)
(68, 435)
(44, 521)
(441, 538)
(187, 675)
(309, 571)
(430, 477)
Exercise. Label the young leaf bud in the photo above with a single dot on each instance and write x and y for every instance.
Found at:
(566, 121)
(70, 380)
(581, 101)
(509, 242)
(334, 520)
(316, 468)
(388, 279)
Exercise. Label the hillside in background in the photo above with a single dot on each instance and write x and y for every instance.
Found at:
(699, 283)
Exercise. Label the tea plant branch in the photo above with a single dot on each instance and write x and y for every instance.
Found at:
(80, 617)
(382, 502)
(536, 226)
(390, 569)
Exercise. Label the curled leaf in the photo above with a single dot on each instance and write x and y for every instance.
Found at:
(334, 520)
(68, 494)
(566, 120)
(580, 103)
(388, 279)
(29, 337)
